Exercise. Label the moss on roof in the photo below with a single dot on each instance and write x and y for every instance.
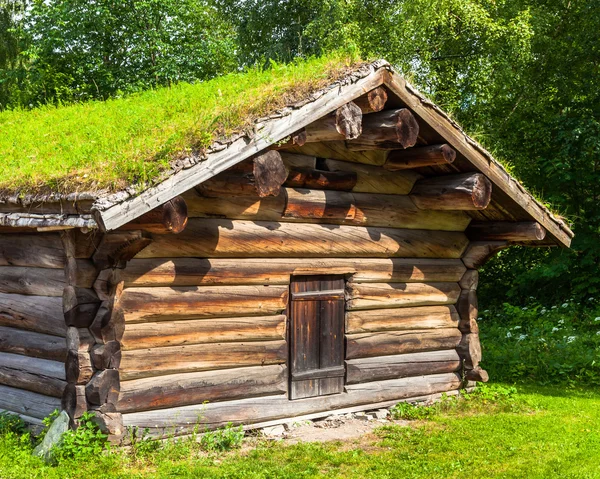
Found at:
(115, 143)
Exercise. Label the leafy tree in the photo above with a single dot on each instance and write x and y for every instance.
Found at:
(97, 49)
(12, 42)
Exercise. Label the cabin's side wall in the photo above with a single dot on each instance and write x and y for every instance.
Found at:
(205, 338)
(33, 348)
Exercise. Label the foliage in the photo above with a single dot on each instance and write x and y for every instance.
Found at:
(223, 439)
(557, 344)
(130, 140)
(11, 423)
(84, 442)
(13, 41)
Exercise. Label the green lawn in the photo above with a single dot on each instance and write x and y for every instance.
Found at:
(546, 432)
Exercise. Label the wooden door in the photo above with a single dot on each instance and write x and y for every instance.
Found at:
(316, 336)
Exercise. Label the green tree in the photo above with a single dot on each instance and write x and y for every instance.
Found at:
(97, 49)
(12, 43)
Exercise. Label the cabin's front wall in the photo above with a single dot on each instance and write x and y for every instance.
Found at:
(206, 337)
(33, 347)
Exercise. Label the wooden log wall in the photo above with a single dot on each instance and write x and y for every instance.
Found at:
(33, 347)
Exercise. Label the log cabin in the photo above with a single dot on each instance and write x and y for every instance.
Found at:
(327, 262)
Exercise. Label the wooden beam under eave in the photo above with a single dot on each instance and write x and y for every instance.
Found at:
(170, 217)
(466, 147)
(463, 192)
(506, 231)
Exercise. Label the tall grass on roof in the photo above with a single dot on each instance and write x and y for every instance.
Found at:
(124, 141)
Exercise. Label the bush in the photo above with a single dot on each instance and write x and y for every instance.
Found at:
(11, 424)
(223, 439)
(85, 441)
(543, 344)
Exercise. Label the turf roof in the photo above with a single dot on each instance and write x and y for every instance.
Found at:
(112, 144)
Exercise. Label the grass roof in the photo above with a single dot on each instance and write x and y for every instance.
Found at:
(119, 142)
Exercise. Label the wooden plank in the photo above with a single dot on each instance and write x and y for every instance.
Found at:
(397, 295)
(336, 150)
(27, 403)
(197, 388)
(31, 281)
(331, 350)
(272, 131)
(37, 250)
(453, 135)
(269, 408)
(142, 363)
(365, 345)
(32, 344)
(213, 330)
(372, 179)
(148, 304)
(224, 238)
(32, 374)
(41, 314)
(401, 319)
(197, 272)
(401, 365)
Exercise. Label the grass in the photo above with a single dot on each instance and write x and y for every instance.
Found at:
(543, 432)
(124, 141)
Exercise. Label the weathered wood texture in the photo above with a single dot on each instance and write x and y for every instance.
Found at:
(339, 150)
(256, 410)
(142, 363)
(213, 330)
(225, 238)
(467, 308)
(465, 191)
(469, 350)
(391, 125)
(27, 403)
(321, 179)
(479, 252)
(420, 156)
(196, 388)
(401, 319)
(261, 177)
(170, 217)
(373, 179)
(372, 101)
(274, 271)
(32, 374)
(147, 304)
(329, 207)
(35, 250)
(401, 365)
(506, 231)
(41, 314)
(32, 344)
(397, 295)
(31, 281)
(365, 345)
(344, 124)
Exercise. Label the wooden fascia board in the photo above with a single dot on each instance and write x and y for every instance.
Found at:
(490, 168)
(268, 133)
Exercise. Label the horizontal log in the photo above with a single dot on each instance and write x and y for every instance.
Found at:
(365, 345)
(41, 314)
(345, 123)
(321, 180)
(390, 125)
(401, 365)
(479, 252)
(295, 139)
(171, 217)
(261, 177)
(506, 231)
(465, 191)
(293, 161)
(197, 388)
(397, 295)
(372, 179)
(238, 239)
(401, 319)
(420, 156)
(142, 363)
(36, 250)
(27, 403)
(164, 422)
(273, 271)
(214, 330)
(32, 374)
(32, 344)
(338, 150)
(372, 101)
(31, 281)
(147, 304)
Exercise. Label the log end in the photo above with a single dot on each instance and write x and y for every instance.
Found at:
(481, 192)
(407, 129)
(448, 153)
(175, 215)
(376, 99)
(348, 120)
(269, 173)
(478, 375)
